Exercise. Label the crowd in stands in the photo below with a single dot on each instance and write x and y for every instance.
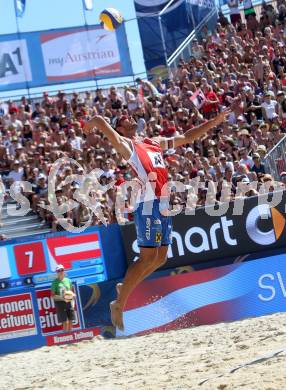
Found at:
(239, 65)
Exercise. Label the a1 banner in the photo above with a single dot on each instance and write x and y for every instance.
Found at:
(17, 318)
(47, 312)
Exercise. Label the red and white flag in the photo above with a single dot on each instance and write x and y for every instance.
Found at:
(198, 98)
(64, 250)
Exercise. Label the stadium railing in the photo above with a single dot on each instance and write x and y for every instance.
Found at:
(184, 51)
(275, 159)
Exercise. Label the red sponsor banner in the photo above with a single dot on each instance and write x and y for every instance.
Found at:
(72, 337)
(47, 312)
(17, 316)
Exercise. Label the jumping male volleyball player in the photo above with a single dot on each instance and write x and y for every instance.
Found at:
(153, 228)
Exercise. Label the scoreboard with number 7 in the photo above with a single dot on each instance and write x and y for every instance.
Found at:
(35, 262)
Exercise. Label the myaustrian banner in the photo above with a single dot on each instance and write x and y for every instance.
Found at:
(62, 56)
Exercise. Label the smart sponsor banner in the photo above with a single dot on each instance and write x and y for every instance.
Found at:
(248, 226)
(226, 293)
(65, 55)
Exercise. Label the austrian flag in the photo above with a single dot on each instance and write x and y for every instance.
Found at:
(65, 250)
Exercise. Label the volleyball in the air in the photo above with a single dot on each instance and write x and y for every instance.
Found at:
(111, 19)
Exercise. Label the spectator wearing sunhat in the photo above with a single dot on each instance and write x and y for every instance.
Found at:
(261, 150)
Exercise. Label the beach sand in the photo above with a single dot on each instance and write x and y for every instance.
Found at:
(174, 360)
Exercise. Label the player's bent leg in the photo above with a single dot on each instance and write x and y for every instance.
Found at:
(134, 275)
(157, 263)
(153, 266)
(162, 255)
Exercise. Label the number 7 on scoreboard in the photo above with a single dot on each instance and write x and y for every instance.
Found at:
(30, 258)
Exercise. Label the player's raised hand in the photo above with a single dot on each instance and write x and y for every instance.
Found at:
(221, 117)
(88, 126)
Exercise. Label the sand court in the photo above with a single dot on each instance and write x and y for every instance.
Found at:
(174, 360)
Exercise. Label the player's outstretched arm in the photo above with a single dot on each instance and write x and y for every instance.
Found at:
(192, 134)
(117, 141)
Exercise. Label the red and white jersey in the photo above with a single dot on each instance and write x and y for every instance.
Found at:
(148, 163)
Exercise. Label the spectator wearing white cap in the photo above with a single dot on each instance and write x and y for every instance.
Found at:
(17, 172)
(62, 292)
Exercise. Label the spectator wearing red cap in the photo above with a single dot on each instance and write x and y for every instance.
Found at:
(169, 128)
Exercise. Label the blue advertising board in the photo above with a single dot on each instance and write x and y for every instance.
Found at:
(61, 56)
(171, 299)
(228, 293)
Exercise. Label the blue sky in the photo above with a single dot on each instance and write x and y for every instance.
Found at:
(51, 14)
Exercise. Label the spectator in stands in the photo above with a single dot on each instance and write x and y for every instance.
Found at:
(239, 65)
(283, 178)
(258, 166)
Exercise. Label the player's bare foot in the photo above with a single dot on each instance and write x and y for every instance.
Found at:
(118, 288)
(116, 315)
